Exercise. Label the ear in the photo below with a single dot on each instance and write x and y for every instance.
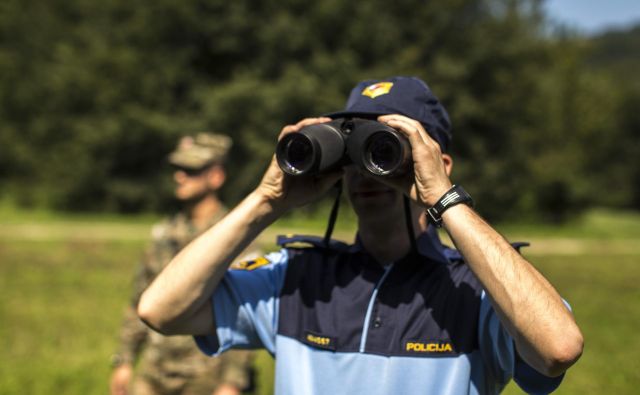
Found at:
(448, 163)
(216, 177)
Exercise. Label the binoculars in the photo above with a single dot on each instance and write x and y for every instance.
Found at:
(371, 145)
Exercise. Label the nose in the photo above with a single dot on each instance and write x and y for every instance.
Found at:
(359, 179)
(179, 176)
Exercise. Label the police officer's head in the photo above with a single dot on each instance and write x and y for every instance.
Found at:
(408, 96)
(198, 161)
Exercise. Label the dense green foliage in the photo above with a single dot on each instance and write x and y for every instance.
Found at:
(94, 94)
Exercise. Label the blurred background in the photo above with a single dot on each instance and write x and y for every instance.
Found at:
(544, 98)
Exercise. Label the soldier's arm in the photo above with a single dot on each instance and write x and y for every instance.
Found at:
(133, 332)
(133, 335)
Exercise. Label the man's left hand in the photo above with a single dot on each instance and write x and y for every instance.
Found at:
(226, 389)
(430, 179)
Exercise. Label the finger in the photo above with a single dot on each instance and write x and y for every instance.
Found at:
(301, 124)
(312, 121)
(402, 122)
(409, 130)
(286, 130)
(407, 125)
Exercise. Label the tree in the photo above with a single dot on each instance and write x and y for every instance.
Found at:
(95, 97)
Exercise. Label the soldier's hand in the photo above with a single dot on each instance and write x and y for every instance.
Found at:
(121, 379)
(284, 191)
(430, 179)
(227, 389)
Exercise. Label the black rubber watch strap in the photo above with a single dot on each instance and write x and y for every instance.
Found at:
(453, 196)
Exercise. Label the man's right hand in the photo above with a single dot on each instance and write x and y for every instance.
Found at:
(284, 192)
(121, 379)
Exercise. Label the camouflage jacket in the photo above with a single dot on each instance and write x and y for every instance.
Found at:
(171, 361)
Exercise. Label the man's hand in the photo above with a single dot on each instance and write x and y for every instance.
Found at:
(227, 389)
(284, 191)
(121, 379)
(545, 333)
(430, 179)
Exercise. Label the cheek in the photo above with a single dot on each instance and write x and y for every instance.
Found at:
(191, 185)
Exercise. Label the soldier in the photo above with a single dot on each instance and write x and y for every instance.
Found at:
(173, 365)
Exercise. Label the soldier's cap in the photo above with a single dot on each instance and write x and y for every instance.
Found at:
(408, 96)
(203, 149)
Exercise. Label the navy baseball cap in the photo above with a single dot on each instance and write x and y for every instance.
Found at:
(408, 96)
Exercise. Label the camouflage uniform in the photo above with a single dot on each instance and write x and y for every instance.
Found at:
(173, 364)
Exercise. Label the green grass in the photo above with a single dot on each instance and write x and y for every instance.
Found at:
(10, 213)
(593, 224)
(62, 296)
(604, 293)
(60, 305)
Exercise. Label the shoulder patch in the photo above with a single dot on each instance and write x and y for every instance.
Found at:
(251, 264)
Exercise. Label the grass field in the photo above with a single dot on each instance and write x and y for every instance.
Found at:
(64, 282)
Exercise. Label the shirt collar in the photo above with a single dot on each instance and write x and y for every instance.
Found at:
(428, 243)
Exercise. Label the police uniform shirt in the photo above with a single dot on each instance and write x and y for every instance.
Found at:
(338, 322)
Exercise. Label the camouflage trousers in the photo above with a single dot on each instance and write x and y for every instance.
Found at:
(191, 373)
(173, 386)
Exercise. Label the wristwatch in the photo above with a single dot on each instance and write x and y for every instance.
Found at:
(453, 196)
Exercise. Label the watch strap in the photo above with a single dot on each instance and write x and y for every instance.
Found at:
(455, 195)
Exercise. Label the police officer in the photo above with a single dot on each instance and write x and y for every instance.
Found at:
(173, 365)
(397, 311)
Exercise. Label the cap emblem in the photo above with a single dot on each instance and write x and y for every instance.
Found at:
(377, 89)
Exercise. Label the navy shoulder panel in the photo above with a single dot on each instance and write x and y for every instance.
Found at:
(452, 254)
(519, 244)
(296, 241)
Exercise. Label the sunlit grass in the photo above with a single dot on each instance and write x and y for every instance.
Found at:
(593, 224)
(61, 301)
(603, 292)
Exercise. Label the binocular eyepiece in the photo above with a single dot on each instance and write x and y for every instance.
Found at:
(371, 145)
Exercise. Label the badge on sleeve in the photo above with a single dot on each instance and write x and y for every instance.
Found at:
(251, 264)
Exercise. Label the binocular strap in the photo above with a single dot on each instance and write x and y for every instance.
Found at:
(407, 218)
(333, 216)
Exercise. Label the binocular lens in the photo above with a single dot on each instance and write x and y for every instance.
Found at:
(298, 154)
(314, 149)
(383, 153)
(318, 148)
